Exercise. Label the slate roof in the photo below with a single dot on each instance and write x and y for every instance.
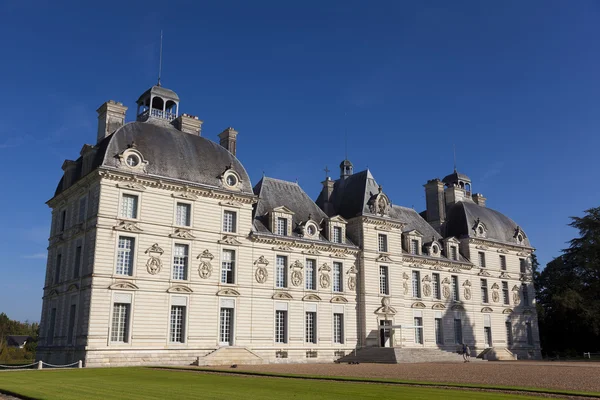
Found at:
(163, 92)
(455, 177)
(462, 216)
(351, 195)
(170, 154)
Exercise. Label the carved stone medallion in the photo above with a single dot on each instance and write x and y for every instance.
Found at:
(261, 274)
(352, 282)
(324, 280)
(446, 291)
(205, 269)
(296, 278)
(495, 296)
(467, 293)
(405, 286)
(426, 290)
(154, 263)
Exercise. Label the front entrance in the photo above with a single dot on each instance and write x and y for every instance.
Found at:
(385, 333)
(226, 327)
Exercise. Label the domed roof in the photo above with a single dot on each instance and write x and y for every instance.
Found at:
(346, 163)
(455, 177)
(159, 91)
(173, 154)
(463, 216)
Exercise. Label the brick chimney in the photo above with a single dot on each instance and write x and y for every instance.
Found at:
(228, 139)
(188, 124)
(111, 116)
(479, 199)
(436, 206)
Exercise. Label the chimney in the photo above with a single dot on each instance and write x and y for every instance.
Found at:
(228, 139)
(479, 199)
(188, 124)
(111, 116)
(434, 199)
(326, 193)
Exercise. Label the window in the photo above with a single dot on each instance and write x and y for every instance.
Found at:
(384, 287)
(231, 180)
(120, 323)
(454, 253)
(125, 256)
(337, 277)
(529, 333)
(439, 331)
(414, 246)
(77, 262)
(505, 292)
(337, 234)
(180, 261)
(482, 259)
(416, 288)
(281, 272)
(436, 285)
(229, 221)
(383, 245)
(51, 325)
(419, 330)
(310, 274)
(525, 294)
(63, 220)
(484, 291)
(311, 327)
(458, 331)
(509, 336)
(282, 226)
(338, 328)
(226, 326)
(455, 296)
(183, 214)
(81, 213)
(129, 206)
(523, 265)
(57, 268)
(487, 333)
(228, 266)
(72, 314)
(503, 263)
(177, 324)
(280, 326)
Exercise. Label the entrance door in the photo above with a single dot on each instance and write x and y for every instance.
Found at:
(385, 335)
(226, 327)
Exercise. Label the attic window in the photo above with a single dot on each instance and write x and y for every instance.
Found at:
(434, 249)
(133, 160)
(520, 238)
(231, 180)
(311, 230)
(480, 230)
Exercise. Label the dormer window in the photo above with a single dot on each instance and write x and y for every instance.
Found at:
(414, 246)
(336, 229)
(280, 221)
(479, 228)
(311, 230)
(133, 160)
(230, 178)
(434, 249)
(337, 234)
(454, 253)
(282, 226)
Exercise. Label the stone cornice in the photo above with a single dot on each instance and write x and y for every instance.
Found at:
(82, 183)
(338, 249)
(435, 263)
(500, 245)
(382, 222)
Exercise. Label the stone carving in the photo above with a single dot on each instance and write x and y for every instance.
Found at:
(483, 272)
(438, 306)
(385, 307)
(127, 226)
(454, 269)
(261, 274)
(72, 287)
(205, 267)
(282, 247)
(131, 186)
(446, 291)
(228, 239)
(324, 279)
(179, 289)
(311, 297)
(228, 292)
(282, 296)
(185, 195)
(297, 265)
(352, 277)
(486, 310)
(426, 290)
(504, 275)
(181, 233)
(495, 296)
(507, 311)
(123, 285)
(154, 263)
(467, 293)
(405, 287)
(296, 278)
(516, 297)
(339, 299)
(384, 258)
(418, 305)
(312, 250)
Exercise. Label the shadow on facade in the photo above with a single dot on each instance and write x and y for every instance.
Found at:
(457, 329)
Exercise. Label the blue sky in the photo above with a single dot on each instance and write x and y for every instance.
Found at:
(513, 84)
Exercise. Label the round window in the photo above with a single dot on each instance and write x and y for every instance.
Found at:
(435, 249)
(520, 238)
(231, 180)
(311, 230)
(133, 160)
(480, 230)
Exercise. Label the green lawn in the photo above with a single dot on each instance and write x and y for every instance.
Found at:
(142, 383)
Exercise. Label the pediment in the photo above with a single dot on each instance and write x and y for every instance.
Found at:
(123, 285)
(486, 310)
(503, 251)
(228, 239)
(185, 195)
(507, 311)
(72, 287)
(495, 286)
(383, 227)
(451, 239)
(413, 232)
(418, 304)
(179, 289)
(384, 258)
(483, 272)
(458, 307)
(438, 306)
(53, 292)
(181, 233)
(283, 209)
(231, 202)
(282, 247)
(127, 226)
(504, 275)
(312, 250)
(338, 218)
(282, 296)
(339, 299)
(228, 292)
(131, 186)
(454, 269)
(311, 297)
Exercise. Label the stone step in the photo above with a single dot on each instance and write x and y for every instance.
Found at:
(402, 355)
(230, 356)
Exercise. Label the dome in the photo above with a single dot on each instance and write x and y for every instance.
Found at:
(463, 216)
(346, 163)
(455, 178)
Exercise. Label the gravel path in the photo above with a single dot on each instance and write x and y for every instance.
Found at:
(549, 375)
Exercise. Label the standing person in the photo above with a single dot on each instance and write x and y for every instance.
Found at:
(467, 353)
(464, 352)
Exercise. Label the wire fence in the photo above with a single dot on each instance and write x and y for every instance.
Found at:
(41, 365)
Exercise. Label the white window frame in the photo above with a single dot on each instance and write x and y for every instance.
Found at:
(126, 326)
(189, 209)
(226, 226)
(505, 293)
(438, 330)
(485, 295)
(177, 329)
(337, 276)
(136, 206)
(382, 242)
(231, 327)
(82, 210)
(384, 280)
(310, 327)
(281, 271)
(454, 253)
(481, 259)
(231, 267)
(416, 284)
(419, 338)
(458, 331)
(436, 286)
(132, 254)
(502, 262)
(281, 326)
(177, 263)
(455, 287)
(509, 332)
(414, 246)
(337, 233)
(338, 328)
(310, 273)
(282, 226)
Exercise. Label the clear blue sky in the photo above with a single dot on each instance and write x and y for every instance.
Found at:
(514, 84)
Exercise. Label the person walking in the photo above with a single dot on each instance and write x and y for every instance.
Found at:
(464, 352)
(467, 353)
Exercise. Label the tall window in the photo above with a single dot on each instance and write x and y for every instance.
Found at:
(120, 323)
(337, 277)
(229, 221)
(414, 246)
(337, 234)
(77, 262)
(180, 261)
(484, 291)
(416, 288)
(63, 220)
(228, 266)
(487, 333)
(383, 244)
(482, 259)
(81, 213)
(523, 265)
(281, 272)
(418, 331)
(57, 268)
(183, 214)
(525, 294)
(338, 328)
(505, 292)
(439, 331)
(51, 325)
(458, 331)
(282, 226)
(503, 263)
(384, 282)
(529, 333)
(177, 324)
(311, 327)
(455, 296)
(280, 326)
(226, 326)
(129, 206)
(454, 253)
(509, 335)
(72, 314)
(125, 256)
(436, 285)
(310, 274)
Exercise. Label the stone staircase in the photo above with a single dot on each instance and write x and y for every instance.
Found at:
(229, 356)
(497, 354)
(386, 355)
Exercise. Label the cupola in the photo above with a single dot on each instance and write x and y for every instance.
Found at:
(346, 169)
(158, 103)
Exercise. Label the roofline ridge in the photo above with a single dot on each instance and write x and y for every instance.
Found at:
(279, 180)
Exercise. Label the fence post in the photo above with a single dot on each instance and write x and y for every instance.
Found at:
(39, 364)
(79, 364)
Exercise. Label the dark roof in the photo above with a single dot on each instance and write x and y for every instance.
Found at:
(414, 221)
(17, 340)
(455, 177)
(165, 93)
(170, 154)
(351, 195)
(345, 163)
(463, 216)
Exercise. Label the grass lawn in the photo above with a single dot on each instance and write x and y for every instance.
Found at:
(142, 383)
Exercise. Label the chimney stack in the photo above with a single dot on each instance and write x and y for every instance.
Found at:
(188, 124)
(111, 116)
(326, 193)
(479, 199)
(228, 139)
(434, 200)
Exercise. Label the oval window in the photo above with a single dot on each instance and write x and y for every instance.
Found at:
(311, 230)
(133, 160)
(231, 180)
